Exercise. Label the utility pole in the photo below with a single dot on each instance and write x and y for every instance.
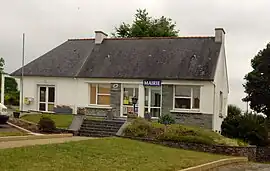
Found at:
(21, 98)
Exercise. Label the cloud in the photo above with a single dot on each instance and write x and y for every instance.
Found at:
(49, 23)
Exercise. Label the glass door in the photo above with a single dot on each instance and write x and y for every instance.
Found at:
(46, 98)
(128, 94)
(153, 101)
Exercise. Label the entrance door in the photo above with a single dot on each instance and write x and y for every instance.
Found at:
(153, 101)
(46, 98)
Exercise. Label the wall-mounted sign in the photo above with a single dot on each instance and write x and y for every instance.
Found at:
(152, 82)
(115, 86)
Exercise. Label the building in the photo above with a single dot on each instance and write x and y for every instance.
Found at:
(182, 76)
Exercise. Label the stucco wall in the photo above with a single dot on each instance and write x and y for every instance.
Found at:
(66, 90)
(221, 83)
(75, 92)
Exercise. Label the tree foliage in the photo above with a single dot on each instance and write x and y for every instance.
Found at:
(12, 95)
(248, 127)
(234, 110)
(257, 84)
(146, 26)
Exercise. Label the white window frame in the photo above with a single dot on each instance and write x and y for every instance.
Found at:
(46, 97)
(191, 98)
(97, 94)
(133, 86)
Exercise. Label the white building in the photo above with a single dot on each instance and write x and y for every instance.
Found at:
(182, 76)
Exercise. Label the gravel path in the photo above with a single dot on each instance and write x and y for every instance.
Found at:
(247, 167)
(12, 144)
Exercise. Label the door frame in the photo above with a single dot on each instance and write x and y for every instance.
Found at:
(149, 99)
(46, 96)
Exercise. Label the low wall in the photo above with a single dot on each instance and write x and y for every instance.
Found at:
(249, 151)
(263, 154)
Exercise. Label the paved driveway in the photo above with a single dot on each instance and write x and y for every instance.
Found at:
(247, 167)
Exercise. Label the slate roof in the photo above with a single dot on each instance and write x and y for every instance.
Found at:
(192, 58)
(65, 60)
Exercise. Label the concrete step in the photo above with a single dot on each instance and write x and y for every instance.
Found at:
(100, 129)
(96, 134)
(101, 126)
(108, 122)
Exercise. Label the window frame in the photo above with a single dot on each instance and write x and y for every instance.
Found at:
(190, 97)
(98, 94)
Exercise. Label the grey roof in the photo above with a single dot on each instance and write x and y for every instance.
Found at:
(145, 58)
(65, 60)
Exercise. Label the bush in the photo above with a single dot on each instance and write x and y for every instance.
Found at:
(249, 128)
(46, 124)
(166, 119)
(175, 132)
(142, 128)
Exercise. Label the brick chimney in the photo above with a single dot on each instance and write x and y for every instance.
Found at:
(219, 35)
(99, 36)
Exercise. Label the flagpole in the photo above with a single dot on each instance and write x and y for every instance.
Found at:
(21, 107)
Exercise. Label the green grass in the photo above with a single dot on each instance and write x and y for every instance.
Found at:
(109, 154)
(5, 134)
(61, 120)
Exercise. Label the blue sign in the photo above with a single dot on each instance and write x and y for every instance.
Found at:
(152, 82)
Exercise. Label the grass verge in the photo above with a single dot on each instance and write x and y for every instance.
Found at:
(102, 154)
(5, 134)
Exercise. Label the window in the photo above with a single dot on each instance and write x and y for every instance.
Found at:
(187, 97)
(100, 94)
(128, 93)
(220, 103)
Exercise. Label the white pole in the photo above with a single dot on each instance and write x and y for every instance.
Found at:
(21, 96)
(3, 88)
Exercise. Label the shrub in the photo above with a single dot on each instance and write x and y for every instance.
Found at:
(249, 128)
(142, 128)
(46, 124)
(166, 119)
(175, 132)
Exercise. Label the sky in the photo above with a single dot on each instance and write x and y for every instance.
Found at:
(50, 23)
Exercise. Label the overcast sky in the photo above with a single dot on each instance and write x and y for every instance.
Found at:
(49, 23)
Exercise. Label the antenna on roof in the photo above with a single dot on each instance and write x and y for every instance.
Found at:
(21, 98)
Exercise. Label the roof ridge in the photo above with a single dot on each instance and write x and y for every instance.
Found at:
(145, 38)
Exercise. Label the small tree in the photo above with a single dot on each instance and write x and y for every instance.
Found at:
(248, 127)
(257, 84)
(146, 26)
(234, 110)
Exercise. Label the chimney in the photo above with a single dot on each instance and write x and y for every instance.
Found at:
(219, 35)
(99, 36)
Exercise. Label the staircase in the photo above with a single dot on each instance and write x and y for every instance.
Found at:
(96, 128)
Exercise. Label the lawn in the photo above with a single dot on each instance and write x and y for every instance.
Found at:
(61, 120)
(101, 154)
(5, 134)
